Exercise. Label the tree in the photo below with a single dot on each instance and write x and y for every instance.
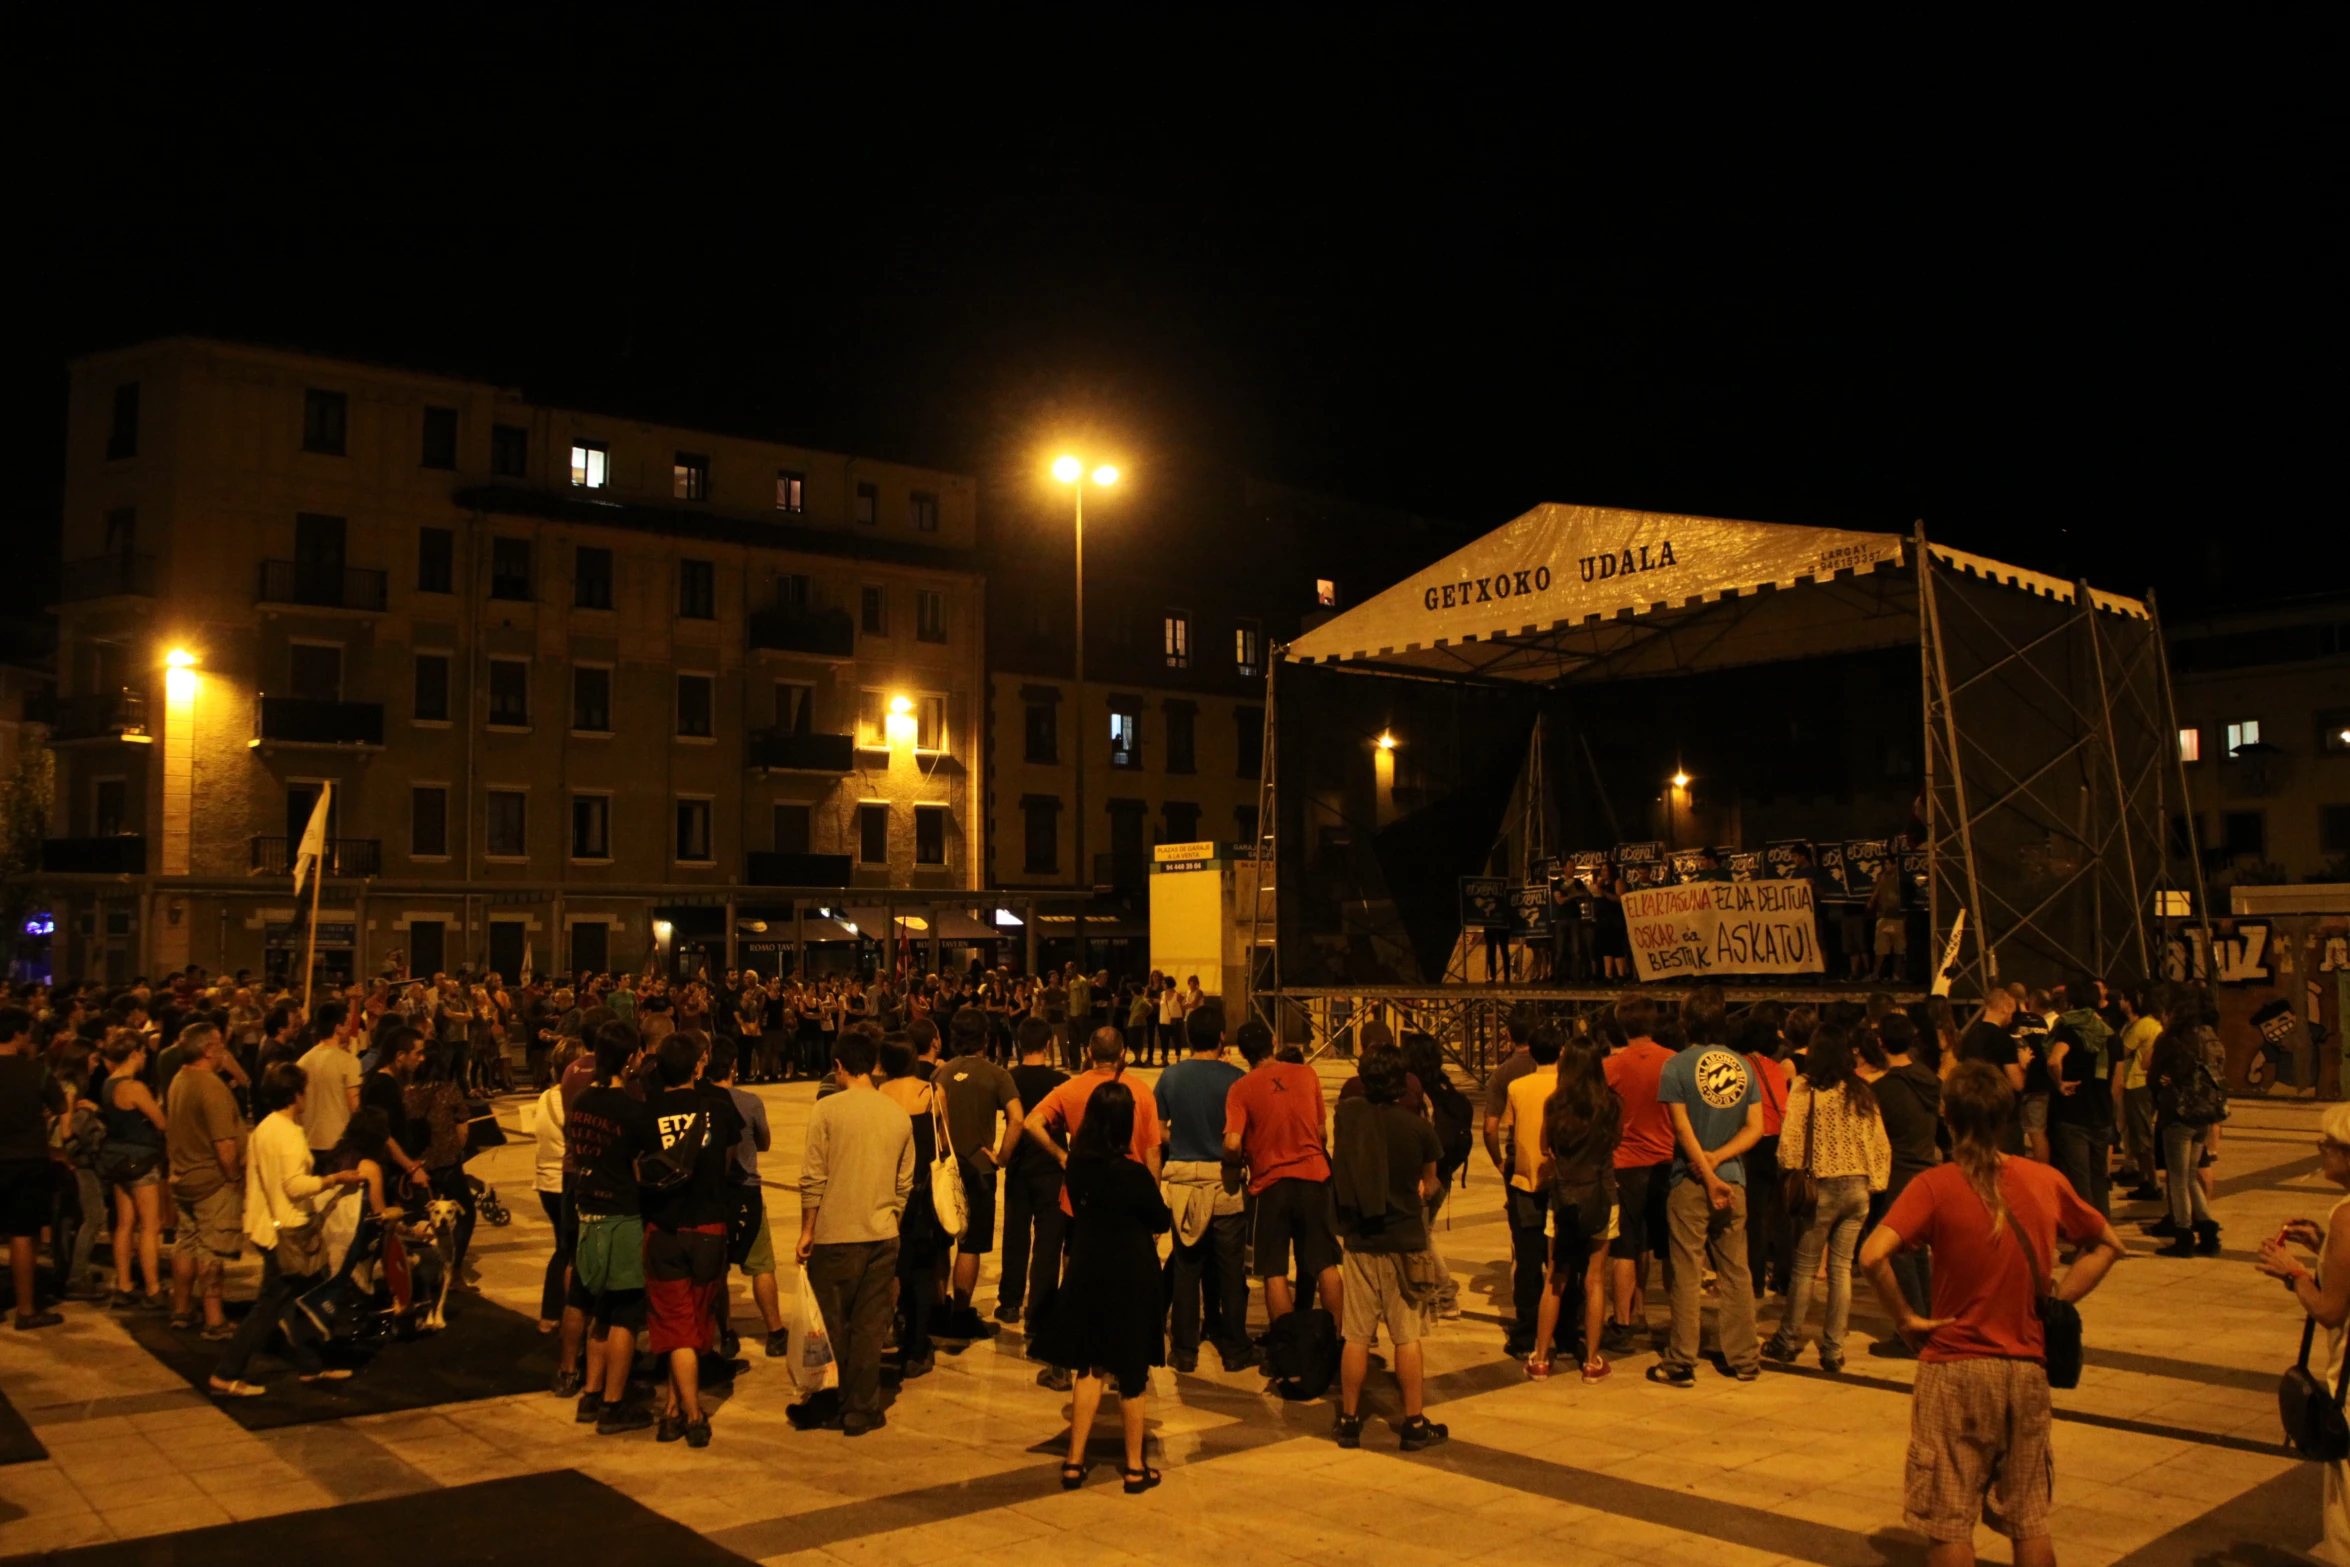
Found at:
(24, 821)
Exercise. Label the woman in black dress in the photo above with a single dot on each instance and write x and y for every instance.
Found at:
(1612, 939)
(1106, 1321)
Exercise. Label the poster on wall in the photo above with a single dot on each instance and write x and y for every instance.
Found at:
(1708, 928)
(1485, 902)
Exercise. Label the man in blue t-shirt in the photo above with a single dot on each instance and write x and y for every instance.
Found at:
(1211, 1219)
(1708, 1089)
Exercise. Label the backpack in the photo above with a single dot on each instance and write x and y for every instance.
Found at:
(2199, 1101)
(1301, 1354)
(1455, 1129)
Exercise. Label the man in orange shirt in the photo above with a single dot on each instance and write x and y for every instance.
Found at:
(1273, 1120)
(1644, 1168)
(1063, 1112)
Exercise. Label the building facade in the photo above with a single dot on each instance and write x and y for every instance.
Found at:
(586, 690)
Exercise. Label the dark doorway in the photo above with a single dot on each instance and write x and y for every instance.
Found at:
(506, 942)
(591, 948)
(428, 948)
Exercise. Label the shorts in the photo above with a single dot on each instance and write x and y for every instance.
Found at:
(1294, 1215)
(979, 1184)
(212, 1228)
(1641, 1190)
(1381, 1287)
(149, 1167)
(760, 1259)
(1892, 935)
(683, 1272)
(26, 1186)
(1978, 1448)
(608, 1270)
(1576, 1227)
(2032, 1112)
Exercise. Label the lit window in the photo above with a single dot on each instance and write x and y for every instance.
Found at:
(791, 491)
(2190, 745)
(930, 616)
(690, 477)
(591, 464)
(873, 720)
(1125, 739)
(930, 723)
(1244, 648)
(693, 832)
(1325, 592)
(2243, 733)
(1178, 640)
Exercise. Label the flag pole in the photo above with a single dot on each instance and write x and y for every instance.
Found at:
(310, 945)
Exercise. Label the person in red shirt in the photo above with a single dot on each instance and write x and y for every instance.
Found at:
(1644, 1167)
(1979, 1419)
(1273, 1120)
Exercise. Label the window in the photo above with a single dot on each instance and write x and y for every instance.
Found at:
(873, 834)
(689, 477)
(432, 688)
(873, 720)
(436, 560)
(591, 827)
(1125, 739)
(428, 821)
(1325, 592)
(792, 591)
(110, 807)
(509, 451)
(868, 510)
(930, 723)
(325, 418)
(2242, 733)
(591, 699)
(795, 707)
(1248, 734)
(924, 512)
(1182, 737)
(2186, 835)
(591, 578)
(1182, 822)
(1177, 639)
(930, 616)
(2190, 745)
(122, 435)
(1041, 820)
(2244, 833)
(697, 590)
(792, 828)
(509, 693)
(122, 530)
(509, 568)
(693, 832)
(508, 817)
(1044, 732)
(873, 610)
(318, 558)
(791, 491)
(317, 671)
(696, 702)
(1244, 650)
(591, 464)
(930, 835)
(2333, 829)
(1244, 824)
(440, 439)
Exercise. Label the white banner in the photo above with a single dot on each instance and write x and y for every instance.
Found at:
(1703, 928)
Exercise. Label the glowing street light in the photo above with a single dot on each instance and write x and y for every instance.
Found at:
(1680, 780)
(1071, 472)
(1387, 740)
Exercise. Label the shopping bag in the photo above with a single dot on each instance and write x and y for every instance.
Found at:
(810, 1357)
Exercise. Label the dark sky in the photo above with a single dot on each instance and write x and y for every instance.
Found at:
(2073, 298)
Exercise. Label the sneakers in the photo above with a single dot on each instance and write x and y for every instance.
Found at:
(1619, 1338)
(919, 1366)
(1420, 1432)
(2182, 1245)
(1449, 1310)
(2207, 1239)
(1596, 1371)
(1831, 1364)
(621, 1418)
(568, 1383)
(672, 1428)
(590, 1410)
(815, 1412)
(1349, 1430)
(1183, 1363)
(1672, 1376)
(1243, 1359)
(1537, 1370)
(39, 1319)
(1007, 1311)
(1781, 1351)
(778, 1343)
(697, 1435)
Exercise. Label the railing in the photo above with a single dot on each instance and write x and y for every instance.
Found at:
(106, 576)
(293, 720)
(796, 870)
(791, 751)
(104, 715)
(323, 585)
(827, 631)
(344, 856)
(118, 854)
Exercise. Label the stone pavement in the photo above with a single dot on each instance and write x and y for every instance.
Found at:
(2167, 1454)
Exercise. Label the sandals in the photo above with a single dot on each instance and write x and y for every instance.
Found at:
(330, 1374)
(1138, 1480)
(1072, 1476)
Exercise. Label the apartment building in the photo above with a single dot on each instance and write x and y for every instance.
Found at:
(586, 689)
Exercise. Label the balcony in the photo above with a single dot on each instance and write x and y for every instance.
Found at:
(117, 854)
(344, 856)
(796, 870)
(792, 752)
(829, 632)
(318, 585)
(293, 720)
(115, 715)
(105, 577)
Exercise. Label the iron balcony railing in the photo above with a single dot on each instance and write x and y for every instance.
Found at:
(116, 854)
(293, 720)
(105, 577)
(98, 716)
(792, 751)
(344, 856)
(323, 585)
(788, 630)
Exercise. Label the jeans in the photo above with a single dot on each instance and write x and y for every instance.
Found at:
(851, 1282)
(2182, 1149)
(1836, 1226)
(1701, 1232)
(96, 1211)
(1219, 1255)
(279, 1291)
(558, 1280)
(2079, 1152)
(1529, 1260)
(1768, 1243)
(1032, 1203)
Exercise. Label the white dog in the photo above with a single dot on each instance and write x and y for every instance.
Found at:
(437, 1238)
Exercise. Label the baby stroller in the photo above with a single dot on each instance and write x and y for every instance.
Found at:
(386, 1291)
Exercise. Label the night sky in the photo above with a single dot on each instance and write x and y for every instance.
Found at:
(2074, 299)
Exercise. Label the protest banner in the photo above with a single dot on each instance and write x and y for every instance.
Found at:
(1588, 863)
(1485, 902)
(1642, 864)
(1530, 906)
(1707, 928)
(1749, 864)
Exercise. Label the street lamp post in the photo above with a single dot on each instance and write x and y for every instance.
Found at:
(1072, 473)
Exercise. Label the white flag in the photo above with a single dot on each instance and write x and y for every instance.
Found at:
(313, 845)
(1950, 955)
(525, 979)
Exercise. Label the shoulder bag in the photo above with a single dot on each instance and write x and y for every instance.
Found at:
(1799, 1190)
(947, 1198)
(2313, 1419)
(2060, 1320)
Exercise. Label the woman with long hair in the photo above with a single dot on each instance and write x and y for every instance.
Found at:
(1107, 1320)
(1582, 1122)
(435, 1102)
(2325, 1296)
(132, 1164)
(1834, 1130)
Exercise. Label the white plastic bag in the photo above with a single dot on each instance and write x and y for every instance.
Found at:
(810, 1360)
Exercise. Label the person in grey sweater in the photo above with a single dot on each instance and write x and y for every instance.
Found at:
(854, 1179)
